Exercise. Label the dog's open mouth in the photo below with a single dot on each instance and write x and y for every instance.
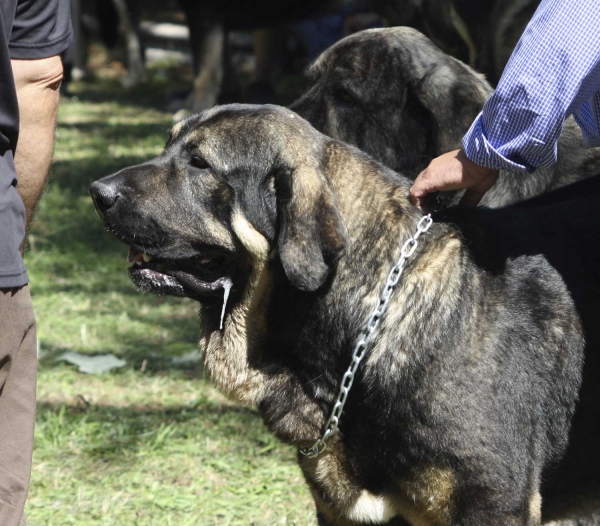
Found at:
(194, 277)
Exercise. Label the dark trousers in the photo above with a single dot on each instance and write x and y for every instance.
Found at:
(18, 376)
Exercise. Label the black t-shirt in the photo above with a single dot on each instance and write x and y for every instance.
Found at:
(29, 29)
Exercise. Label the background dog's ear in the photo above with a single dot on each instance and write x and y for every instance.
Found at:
(448, 89)
(311, 234)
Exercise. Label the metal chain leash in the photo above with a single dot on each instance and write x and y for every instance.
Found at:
(362, 345)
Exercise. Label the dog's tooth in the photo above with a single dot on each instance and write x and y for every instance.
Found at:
(138, 263)
(205, 261)
(146, 258)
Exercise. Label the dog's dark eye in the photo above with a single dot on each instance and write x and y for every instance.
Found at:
(344, 96)
(199, 162)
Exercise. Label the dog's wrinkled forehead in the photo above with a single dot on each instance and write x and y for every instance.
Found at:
(241, 133)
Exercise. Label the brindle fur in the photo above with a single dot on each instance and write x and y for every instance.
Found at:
(465, 399)
(398, 97)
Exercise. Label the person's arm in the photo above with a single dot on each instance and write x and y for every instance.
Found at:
(554, 69)
(454, 171)
(552, 73)
(37, 83)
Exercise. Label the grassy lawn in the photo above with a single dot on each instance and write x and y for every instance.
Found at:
(153, 443)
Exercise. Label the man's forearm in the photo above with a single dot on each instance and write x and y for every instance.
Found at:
(553, 70)
(37, 83)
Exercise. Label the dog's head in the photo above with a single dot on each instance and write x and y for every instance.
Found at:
(395, 95)
(234, 187)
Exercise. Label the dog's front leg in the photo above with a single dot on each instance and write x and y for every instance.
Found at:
(506, 520)
(493, 512)
(322, 520)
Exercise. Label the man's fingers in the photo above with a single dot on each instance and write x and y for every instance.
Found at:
(470, 198)
(453, 171)
(416, 195)
(475, 193)
(419, 189)
(426, 184)
(429, 182)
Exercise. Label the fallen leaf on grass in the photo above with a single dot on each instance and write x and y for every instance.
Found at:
(98, 364)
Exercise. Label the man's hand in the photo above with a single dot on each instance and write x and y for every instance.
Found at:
(454, 171)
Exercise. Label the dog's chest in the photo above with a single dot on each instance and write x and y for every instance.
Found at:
(424, 498)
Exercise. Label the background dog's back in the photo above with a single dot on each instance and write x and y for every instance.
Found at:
(564, 226)
(398, 97)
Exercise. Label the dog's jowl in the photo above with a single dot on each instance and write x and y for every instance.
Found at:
(464, 401)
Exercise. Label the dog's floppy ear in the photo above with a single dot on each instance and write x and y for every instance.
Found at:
(448, 89)
(311, 235)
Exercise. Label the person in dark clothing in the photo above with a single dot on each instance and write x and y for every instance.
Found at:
(33, 33)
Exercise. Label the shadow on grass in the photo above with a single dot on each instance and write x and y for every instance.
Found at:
(77, 175)
(78, 271)
(97, 146)
(140, 351)
(104, 130)
(118, 434)
(150, 94)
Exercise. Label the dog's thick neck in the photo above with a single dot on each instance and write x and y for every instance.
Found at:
(368, 194)
(377, 217)
(276, 328)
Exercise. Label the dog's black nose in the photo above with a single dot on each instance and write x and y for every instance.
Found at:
(103, 195)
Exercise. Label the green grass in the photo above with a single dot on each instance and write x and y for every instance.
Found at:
(153, 443)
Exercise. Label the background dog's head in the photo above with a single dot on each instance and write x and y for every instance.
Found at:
(395, 95)
(234, 186)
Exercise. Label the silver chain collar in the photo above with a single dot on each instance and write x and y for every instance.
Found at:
(362, 345)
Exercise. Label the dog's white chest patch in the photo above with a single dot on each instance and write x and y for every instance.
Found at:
(371, 509)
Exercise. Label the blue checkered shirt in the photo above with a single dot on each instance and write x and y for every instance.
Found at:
(553, 72)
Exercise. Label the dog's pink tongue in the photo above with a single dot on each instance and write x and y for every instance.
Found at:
(134, 256)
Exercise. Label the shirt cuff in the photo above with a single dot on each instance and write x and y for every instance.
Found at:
(587, 117)
(479, 150)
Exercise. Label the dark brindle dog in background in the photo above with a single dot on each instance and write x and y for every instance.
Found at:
(398, 97)
(460, 412)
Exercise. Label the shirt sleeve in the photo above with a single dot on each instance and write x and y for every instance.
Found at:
(553, 72)
(41, 29)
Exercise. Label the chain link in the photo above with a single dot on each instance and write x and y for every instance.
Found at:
(362, 345)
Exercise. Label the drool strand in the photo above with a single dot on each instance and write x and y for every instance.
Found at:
(227, 284)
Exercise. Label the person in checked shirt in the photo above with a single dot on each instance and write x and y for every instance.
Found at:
(554, 72)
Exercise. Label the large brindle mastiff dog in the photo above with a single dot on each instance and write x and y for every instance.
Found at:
(460, 412)
(398, 97)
